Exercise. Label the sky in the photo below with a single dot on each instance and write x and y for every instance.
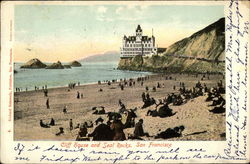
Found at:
(61, 32)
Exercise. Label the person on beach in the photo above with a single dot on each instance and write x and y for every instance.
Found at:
(61, 131)
(143, 96)
(147, 96)
(158, 85)
(81, 95)
(128, 118)
(82, 132)
(65, 109)
(130, 83)
(52, 122)
(43, 125)
(78, 95)
(118, 127)
(163, 111)
(122, 87)
(112, 115)
(70, 124)
(77, 126)
(45, 93)
(139, 131)
(47, 103)
(218, 109)
(219, 101)
(123, 108)
(99, 110)
(102, 132)
(171, 132)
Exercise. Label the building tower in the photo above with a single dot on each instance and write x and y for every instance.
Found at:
(138, 33)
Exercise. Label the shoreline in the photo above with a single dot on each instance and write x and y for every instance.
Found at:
(118, 80)
(81, 85)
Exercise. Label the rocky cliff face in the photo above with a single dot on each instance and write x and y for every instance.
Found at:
(204, 51)
(34, 64)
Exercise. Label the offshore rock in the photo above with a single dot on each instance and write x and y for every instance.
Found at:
(57, 65)
(75, 64)
(34, 64)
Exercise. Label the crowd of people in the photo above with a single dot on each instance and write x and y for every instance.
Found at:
(116, 122)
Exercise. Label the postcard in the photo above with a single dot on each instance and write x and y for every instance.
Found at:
(125, 82)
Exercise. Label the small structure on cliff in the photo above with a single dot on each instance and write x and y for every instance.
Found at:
(138, 45)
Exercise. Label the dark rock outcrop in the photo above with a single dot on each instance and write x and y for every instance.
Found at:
(34, 64)
(67, 66)
(75, 64)
(57, 65)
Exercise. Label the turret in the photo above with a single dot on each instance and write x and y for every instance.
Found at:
(138, 32)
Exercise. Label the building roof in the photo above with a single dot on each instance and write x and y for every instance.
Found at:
(133, 38)
(138, 29)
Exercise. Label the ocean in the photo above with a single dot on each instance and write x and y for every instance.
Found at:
(90, 72)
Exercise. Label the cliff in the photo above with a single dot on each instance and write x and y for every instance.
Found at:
(202, 52)
(34, 64)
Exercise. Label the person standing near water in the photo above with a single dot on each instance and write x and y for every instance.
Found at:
(78, 95)
(47, 103)
(65, 109)
(70, 125)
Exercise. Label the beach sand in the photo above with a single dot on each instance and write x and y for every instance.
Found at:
(200, 124)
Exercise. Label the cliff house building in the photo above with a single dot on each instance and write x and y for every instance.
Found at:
(138, 45)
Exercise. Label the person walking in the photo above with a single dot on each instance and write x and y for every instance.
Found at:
(47, 103)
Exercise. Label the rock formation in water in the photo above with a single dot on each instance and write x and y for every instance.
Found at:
(57, 65)
(34, 64)
(75, 64)
(202, 52)
(67, 66)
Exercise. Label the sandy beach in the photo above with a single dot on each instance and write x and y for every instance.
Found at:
(200, 124)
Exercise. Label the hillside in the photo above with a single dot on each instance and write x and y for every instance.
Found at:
(204, 51)
(105, 57)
